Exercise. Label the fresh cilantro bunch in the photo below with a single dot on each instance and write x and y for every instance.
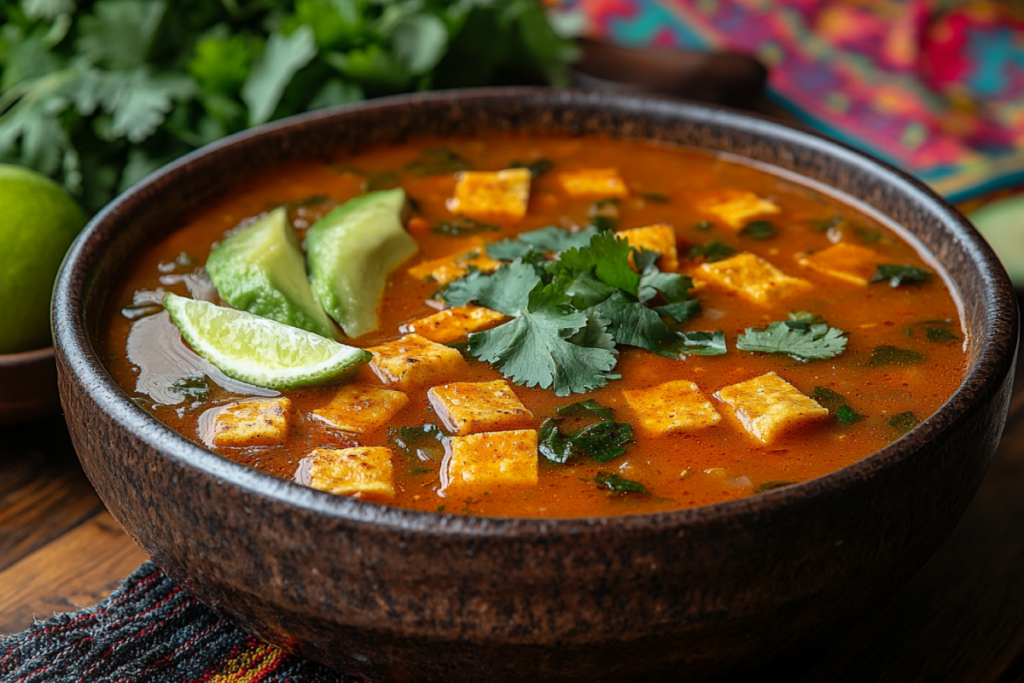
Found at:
(569, 314)
(98, 93)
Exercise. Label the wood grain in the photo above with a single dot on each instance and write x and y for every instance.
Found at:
(77, 570)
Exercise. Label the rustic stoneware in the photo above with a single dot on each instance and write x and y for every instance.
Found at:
(28, 385)
(397, 595)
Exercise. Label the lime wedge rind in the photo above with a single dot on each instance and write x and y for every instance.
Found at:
(260, 351)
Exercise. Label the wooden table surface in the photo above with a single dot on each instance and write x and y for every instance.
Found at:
(960, 619)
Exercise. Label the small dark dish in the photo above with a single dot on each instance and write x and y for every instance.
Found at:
(28, 385)
(398, 595)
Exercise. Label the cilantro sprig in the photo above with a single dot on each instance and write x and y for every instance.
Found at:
(796, 338)
(568, 315)
(99, 94)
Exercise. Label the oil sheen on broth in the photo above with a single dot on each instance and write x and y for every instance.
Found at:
(904, 355)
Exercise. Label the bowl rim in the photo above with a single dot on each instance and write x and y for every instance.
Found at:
(993, 362)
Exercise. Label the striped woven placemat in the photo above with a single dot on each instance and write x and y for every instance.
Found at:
(149, 631)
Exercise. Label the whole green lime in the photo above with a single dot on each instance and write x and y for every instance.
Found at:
(38, 221)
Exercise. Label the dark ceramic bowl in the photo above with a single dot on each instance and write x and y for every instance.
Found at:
(409, 596)
(28, 385)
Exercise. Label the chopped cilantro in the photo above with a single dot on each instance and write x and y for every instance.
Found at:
(418, 443)
(940, 335)
(438, 161)
(758, 230)
(614, 482)
(462, 227)
(602, 440)
(680, 312)
(196, 388)
(772, 485)
(704, 226)
(818, 341)
(604, 223)
(604, 214)
(903, 422)
(712, 251)
(828, 397)
(536, 168)
(656, 197)
(590, 407)
(893, 355)
(703, 343)
(897, 275)
(847, 415)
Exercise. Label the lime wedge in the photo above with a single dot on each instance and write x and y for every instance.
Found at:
(261, 270)
(259, 351)
(352, 250)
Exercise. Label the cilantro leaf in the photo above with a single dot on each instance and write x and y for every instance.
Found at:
(553, 238)
(847, 415)
(601, 441)
(533, 348)
(826, 224)
(634, 324)
(758, 230)
(681, 312)
(673, 286)
(282, 58)
(893, 355)
(508, 250)
(418, 443)
(703, 343)
(419, 42)
(828, 397)
(506, 290)
(818, 342)
(897, 275)
(940, 335)
(607, 255)
(119, 33)
(903, 422)
(588, 407)
(712, 251)
(614, 482)
(437, 161)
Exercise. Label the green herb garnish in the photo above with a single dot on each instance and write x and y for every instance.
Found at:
(758, 230)
(797, 339)
(588, 408)
(437, 161)
(568, 315)
(196, 388)
(418, 443)
(536, 168)
(614, 482)
(828, 223)
(847, 415)
(827, 397)
(940, 335)
(897, 275)
(99, 94)
(600, 438)
(903, 422)
(550, 238)
(893, 355)
(867, 236)
(712, 251)
(703, 343)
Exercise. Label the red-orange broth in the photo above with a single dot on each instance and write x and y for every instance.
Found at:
(146, 355)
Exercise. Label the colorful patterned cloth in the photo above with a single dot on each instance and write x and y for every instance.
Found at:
(149, 631)
(936, 88)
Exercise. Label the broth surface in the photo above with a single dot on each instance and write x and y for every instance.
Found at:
(146, 355)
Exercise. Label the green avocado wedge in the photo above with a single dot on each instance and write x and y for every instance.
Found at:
(260, 351)
(261, 270)
(352, 250)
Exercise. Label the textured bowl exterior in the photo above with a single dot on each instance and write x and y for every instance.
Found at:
(397, 595)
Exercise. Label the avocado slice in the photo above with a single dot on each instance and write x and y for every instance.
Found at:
(351, 252)
(261, 270)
